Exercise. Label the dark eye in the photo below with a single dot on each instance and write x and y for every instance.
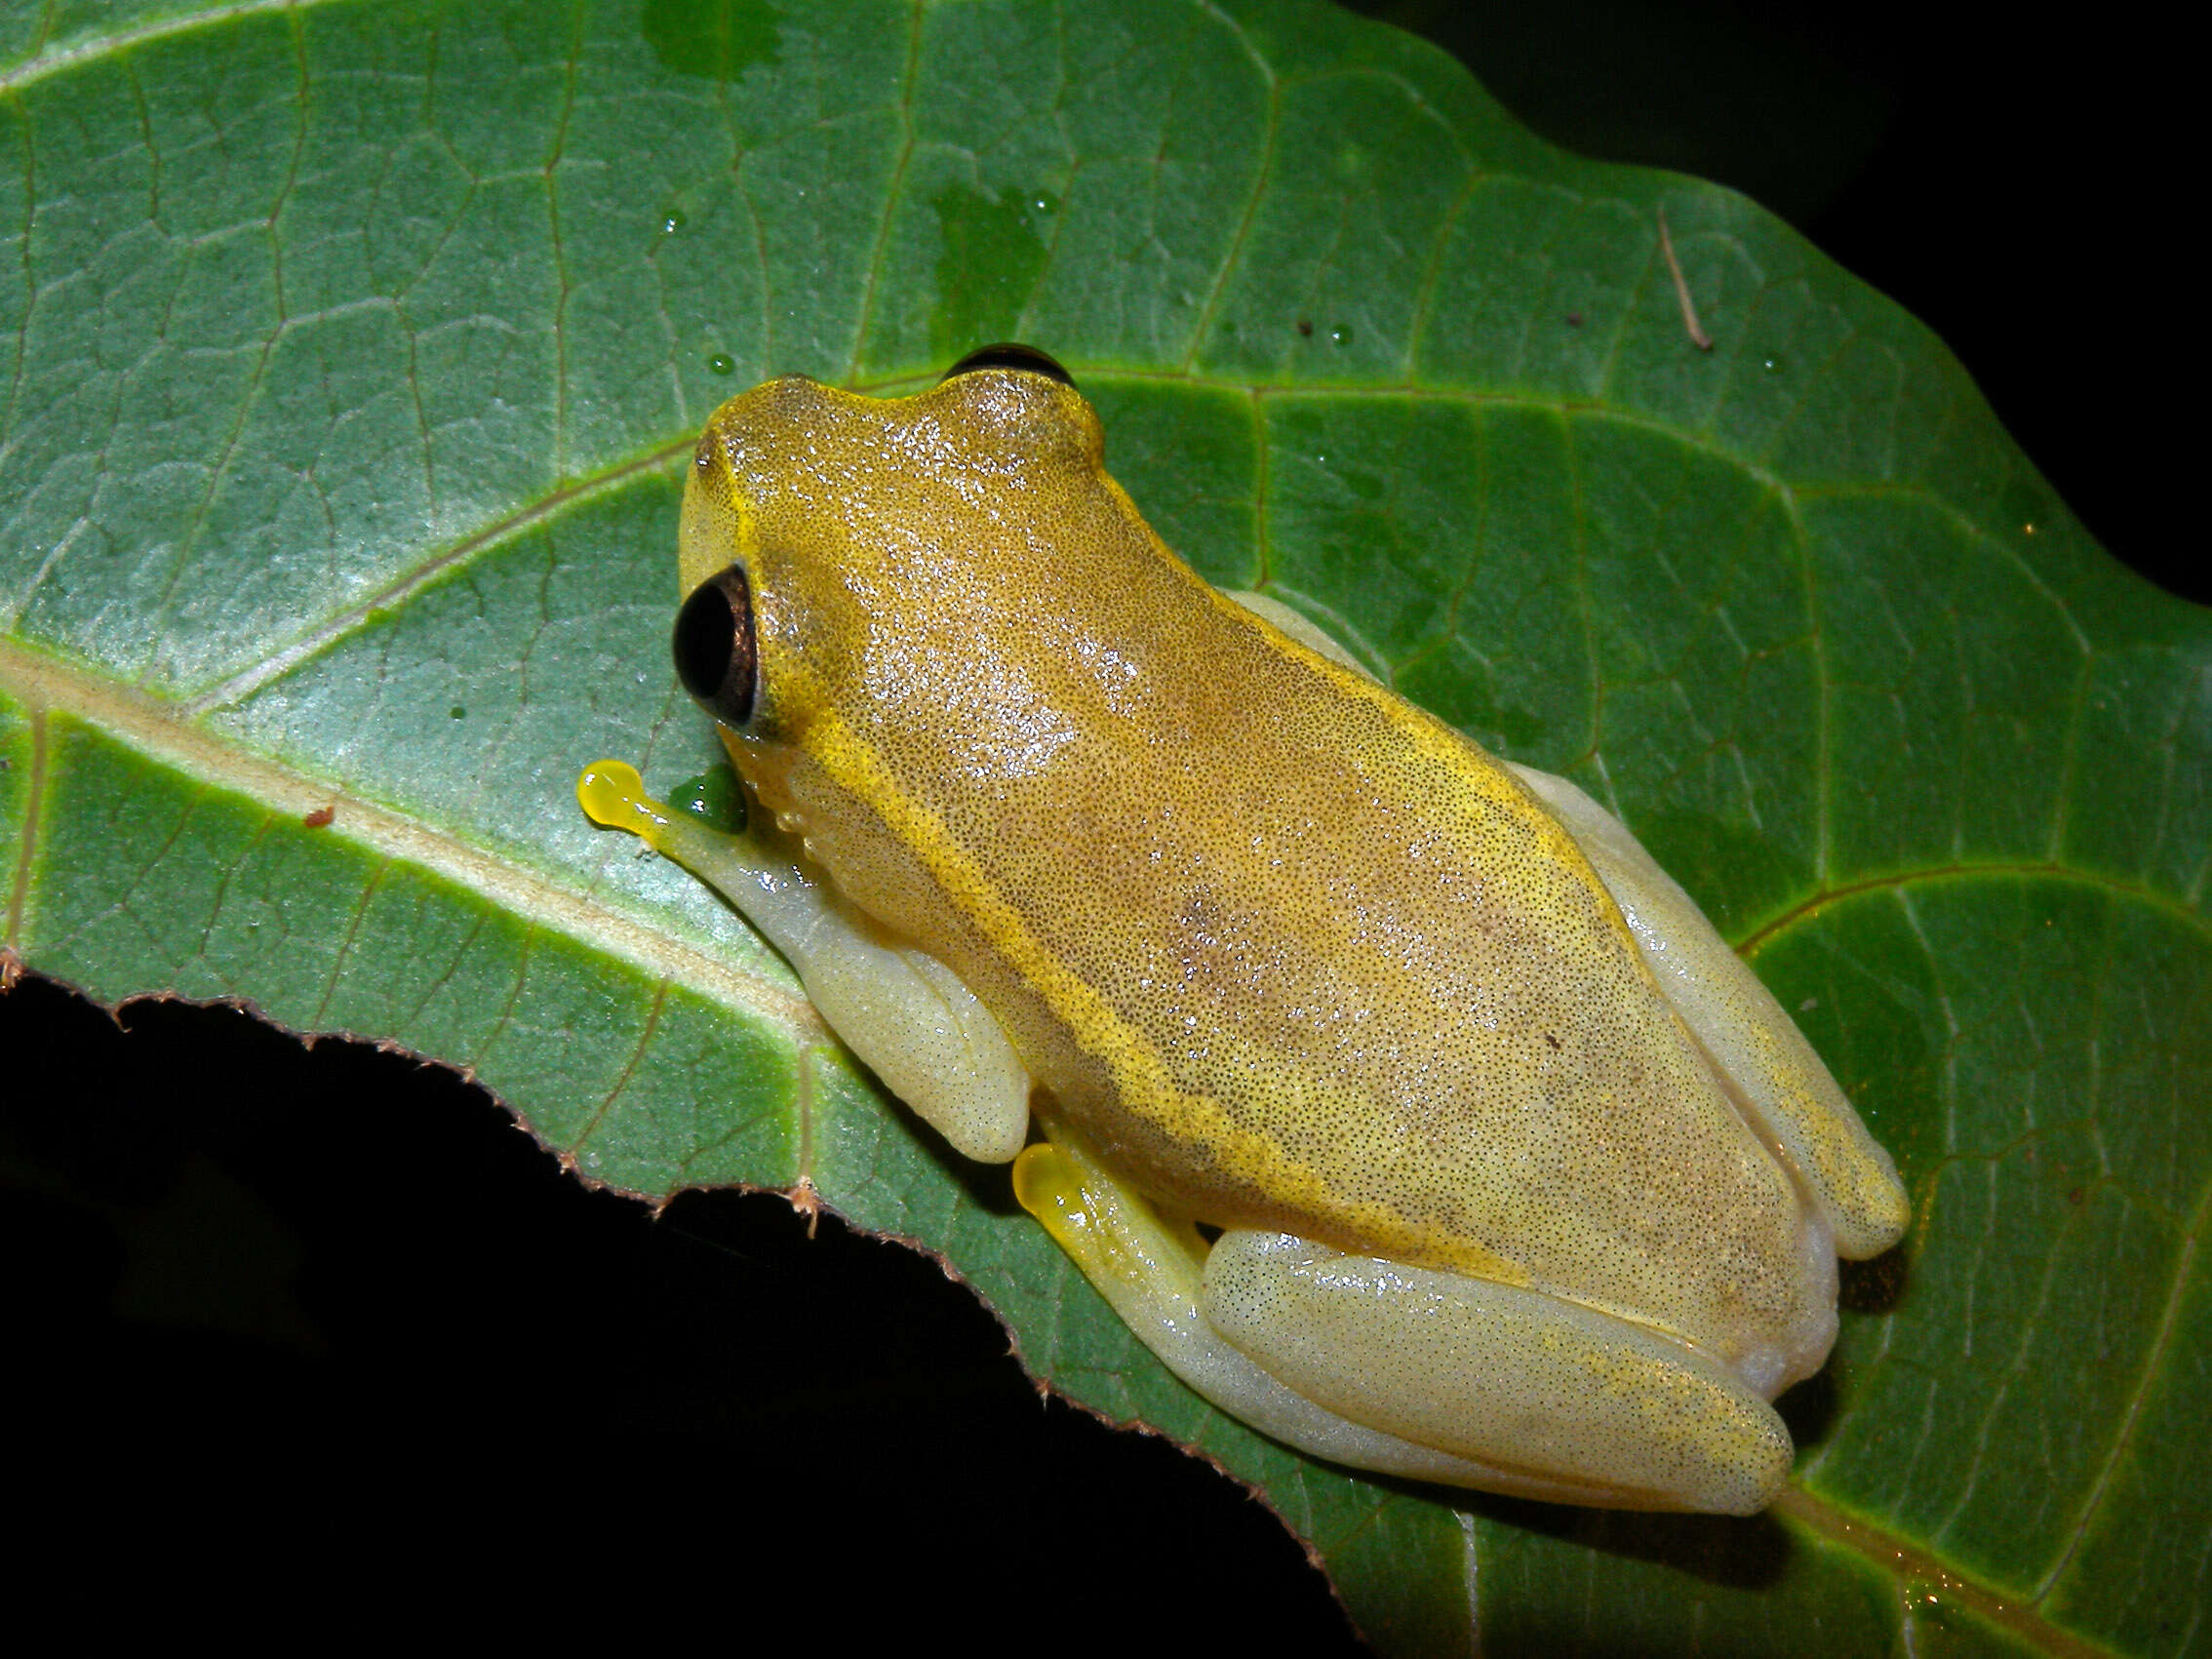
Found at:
(716, 657)
(1010, 354)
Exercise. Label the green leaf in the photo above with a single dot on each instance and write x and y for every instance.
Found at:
(353, 354)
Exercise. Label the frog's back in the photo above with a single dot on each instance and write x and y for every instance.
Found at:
(1327, 947)
(1299, 953)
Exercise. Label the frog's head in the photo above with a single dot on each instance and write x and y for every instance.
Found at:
(815, 518)
(900, 587)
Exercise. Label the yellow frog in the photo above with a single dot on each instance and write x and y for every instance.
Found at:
(1391, 1094)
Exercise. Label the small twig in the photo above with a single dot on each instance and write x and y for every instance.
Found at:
(1698, 337)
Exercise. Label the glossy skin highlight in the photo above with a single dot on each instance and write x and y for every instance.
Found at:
(1280, 953)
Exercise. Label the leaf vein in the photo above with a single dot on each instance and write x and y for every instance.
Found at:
(2169, 1315)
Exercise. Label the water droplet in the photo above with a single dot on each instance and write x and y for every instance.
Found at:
(673, 221)
(722, 363)
(715, 797)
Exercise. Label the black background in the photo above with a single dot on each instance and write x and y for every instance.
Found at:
(322, 1318)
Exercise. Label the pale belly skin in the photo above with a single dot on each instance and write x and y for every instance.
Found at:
(1522, 1181)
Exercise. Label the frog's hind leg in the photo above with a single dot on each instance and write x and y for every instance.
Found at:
(904, 1013)
(1429, 1378)
(1758, 1051)
(1299, 628)
(1601, 1411)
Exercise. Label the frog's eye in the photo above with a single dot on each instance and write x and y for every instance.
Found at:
(1010, 354)
(716, 655)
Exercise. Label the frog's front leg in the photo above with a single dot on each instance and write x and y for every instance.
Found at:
(1411, 1371)
(903, 1012)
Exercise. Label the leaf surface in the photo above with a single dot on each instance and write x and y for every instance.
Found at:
(353, 353)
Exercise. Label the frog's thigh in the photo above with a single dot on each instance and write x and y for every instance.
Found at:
(904, 1013)
(1298, 626)
(1160, 1279)
(1613, 1412)
(1756, 1045)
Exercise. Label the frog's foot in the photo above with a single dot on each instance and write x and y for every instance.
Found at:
(900, 1010)
(1759, 1055)
(1425, 1374)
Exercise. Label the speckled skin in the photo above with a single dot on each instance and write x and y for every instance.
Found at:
(1289, 953)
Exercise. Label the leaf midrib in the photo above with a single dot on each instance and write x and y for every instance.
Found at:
(1908, 1565)
(155, 731)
